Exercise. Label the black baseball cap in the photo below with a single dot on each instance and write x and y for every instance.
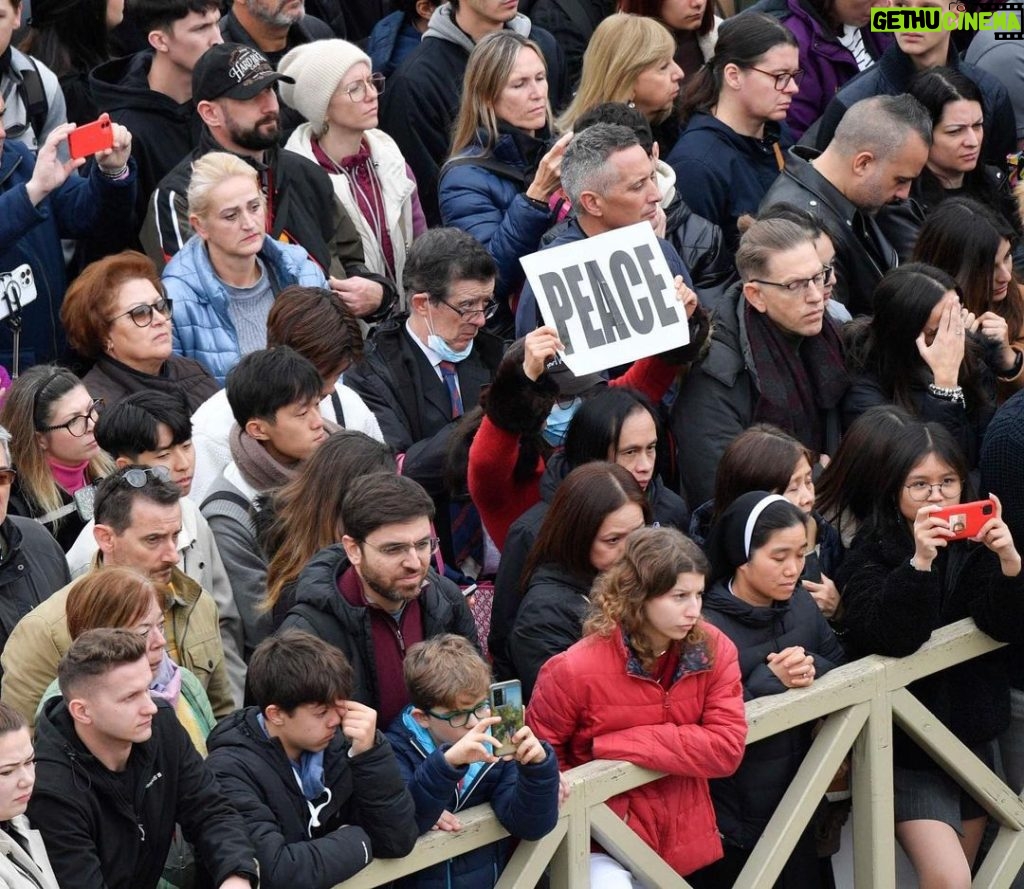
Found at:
(232, 70)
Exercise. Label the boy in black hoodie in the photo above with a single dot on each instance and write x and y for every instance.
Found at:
(318, 803)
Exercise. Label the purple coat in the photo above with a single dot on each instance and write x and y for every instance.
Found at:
(826, 63)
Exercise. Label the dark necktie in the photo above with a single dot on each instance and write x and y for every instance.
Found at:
(451, 379)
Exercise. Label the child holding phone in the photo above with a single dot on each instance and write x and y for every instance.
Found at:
(446, 753)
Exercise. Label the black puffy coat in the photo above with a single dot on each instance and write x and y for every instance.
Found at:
(99, 839)
(370, 813)
(745, 802)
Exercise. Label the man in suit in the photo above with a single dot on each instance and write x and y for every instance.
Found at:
(423, 371)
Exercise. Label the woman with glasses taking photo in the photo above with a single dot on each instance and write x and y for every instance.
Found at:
(732, 146)
(116, 313)
(903, 577)
(336, 92)
(51, 417)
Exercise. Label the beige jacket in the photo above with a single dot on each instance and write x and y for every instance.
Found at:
(40, 639)
(21, 870)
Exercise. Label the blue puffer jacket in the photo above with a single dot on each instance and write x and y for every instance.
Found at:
(390, 41)
(494, 209)
(525, 799)
(203, 330)
(30, 234)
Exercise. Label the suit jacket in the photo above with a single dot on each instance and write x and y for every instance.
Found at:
(24, 870)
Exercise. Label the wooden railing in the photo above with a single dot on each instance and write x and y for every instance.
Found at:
(858, 704)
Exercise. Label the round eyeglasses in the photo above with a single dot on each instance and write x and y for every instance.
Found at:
(79, 424)
(142, 314)
(136, 476)
(949, 488)
(357, 91)
(460, 718)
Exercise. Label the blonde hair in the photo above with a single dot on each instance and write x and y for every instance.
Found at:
(622, 47)
(487, 73)
(440, 670)
(26, 411)
(211, 170)
(653, 560)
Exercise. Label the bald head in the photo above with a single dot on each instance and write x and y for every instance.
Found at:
(881, 125)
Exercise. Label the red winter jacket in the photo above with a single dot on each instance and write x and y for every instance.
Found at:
(594, 702)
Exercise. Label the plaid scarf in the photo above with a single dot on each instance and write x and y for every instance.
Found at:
(800, 378)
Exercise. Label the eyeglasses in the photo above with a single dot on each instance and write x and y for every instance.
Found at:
(486, 311)
(136, 476)
(921, 491)
(460, 718)
(142, 314)
(79, 424)
(357, 91)
(422, 548)
(801, 285)
(781, 80)
(7, 477)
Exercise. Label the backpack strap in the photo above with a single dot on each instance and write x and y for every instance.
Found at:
(488, 162)
(33, 96)
(339, 412)
(231, 497)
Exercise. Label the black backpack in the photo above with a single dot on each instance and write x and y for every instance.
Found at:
(33, 97)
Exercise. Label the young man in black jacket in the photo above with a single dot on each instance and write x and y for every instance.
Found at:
(115, 772)
(316, 782)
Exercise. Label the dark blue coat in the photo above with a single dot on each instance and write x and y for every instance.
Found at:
(892, 75)
(390, 41)
(721, 174)
(494, 209)
(524, 799)
(528, 315)
(80, 207)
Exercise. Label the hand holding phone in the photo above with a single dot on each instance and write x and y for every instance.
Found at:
(966, 519)
(507, 704)
(474, 746)
(91, 137)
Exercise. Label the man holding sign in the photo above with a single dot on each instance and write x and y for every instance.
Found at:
(775, 357)
(611, 299)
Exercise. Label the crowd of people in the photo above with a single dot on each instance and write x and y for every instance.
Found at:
(292, 470)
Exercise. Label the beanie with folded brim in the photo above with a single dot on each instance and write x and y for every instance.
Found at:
(317, 68)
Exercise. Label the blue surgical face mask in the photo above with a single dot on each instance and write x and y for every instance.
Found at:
(441, 347)
(446, 352)
(558, 421)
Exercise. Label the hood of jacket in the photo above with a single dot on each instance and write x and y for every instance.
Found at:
(721, 600)
(122, 84)
(319, 585)
(442, 26)
(666, 181)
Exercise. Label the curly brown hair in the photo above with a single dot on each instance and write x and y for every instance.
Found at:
(653, 560)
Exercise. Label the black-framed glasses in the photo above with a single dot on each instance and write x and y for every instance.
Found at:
(142, 314)
(79, 424)
(950, 487)
(801, 285)
(423, 548)
(486, 311)
(7, 477)
(460, 718)
(781, 80)
(357, 91)
(136, 476)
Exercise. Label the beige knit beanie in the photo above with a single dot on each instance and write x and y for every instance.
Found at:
(317, 68)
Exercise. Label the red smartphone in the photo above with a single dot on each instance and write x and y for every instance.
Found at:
(91, 137)
(966, 519)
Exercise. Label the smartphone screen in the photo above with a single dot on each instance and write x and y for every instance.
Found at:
(507, 703)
